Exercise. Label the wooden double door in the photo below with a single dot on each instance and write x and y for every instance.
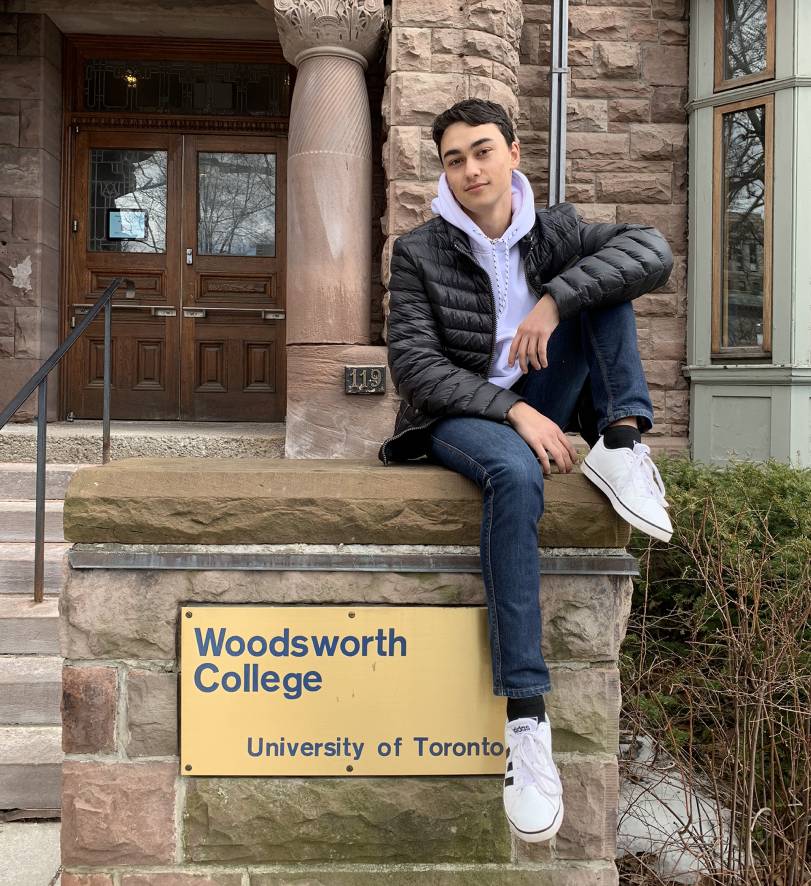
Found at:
(197, 222)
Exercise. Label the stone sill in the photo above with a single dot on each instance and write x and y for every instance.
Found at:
(311, 501)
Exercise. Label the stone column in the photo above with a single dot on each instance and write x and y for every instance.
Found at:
(30, 151)
(329, 179)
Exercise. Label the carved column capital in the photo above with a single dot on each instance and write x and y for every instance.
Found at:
(351, 28)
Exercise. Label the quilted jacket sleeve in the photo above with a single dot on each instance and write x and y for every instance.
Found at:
(615, 263)
(423, 375)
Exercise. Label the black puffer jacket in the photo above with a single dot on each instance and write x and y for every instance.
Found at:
(441, 325)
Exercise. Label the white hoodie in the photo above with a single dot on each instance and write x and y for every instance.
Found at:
(501, 259)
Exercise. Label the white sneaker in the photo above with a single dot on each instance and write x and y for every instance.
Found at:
(533, 795)
(633, 485)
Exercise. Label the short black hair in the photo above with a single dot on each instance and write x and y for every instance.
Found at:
(474, 112)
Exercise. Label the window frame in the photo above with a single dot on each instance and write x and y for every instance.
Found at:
(720, 83)
(717, 352)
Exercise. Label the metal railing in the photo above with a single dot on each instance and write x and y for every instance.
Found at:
(39, 382)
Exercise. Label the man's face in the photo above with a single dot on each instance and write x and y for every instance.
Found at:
(478, 165)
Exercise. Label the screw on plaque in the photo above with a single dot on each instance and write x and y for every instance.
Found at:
(188, 614)
(350, 768)
(188, 767)
(351, 614)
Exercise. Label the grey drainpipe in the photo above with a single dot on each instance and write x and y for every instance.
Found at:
(558, 69)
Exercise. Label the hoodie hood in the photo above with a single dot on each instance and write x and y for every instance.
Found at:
(493, 254)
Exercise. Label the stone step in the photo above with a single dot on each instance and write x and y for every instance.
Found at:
(29, 628)
(30, 690)
(31, 768)
(18, 481)
(79, 442)
(17, 521)
(17, 567)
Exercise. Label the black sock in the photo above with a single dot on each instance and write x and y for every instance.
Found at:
(618, 436)
(526, 707)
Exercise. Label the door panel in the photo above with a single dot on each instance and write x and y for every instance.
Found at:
(197, 222)
(126, 207)
(233, 282)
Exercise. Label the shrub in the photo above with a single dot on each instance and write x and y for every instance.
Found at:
(717, 661)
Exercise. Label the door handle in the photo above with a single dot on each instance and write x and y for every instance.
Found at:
(264, 313)
(189, 257)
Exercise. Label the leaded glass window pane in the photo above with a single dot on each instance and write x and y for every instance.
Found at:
(236, 204)
(122, 179)
(743, 227)
(744, 37)
(186, 87)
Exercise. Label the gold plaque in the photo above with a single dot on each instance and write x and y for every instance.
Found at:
(338, 690)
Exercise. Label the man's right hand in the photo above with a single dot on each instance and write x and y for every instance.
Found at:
(543, 436)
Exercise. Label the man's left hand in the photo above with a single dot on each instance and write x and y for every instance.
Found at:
(531, 337)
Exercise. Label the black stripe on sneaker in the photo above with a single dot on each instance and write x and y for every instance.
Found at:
(510, 766)
(630, 510)
(508, 781)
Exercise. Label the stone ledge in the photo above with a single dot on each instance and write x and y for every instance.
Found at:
(317, 501)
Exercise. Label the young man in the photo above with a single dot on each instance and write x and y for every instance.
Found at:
(508, 327)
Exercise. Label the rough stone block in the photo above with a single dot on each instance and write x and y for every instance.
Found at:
(584, 707)
(410, 48)
(431, 13)
(589, 827)
(668, 104)
(501, 17)
(40, 125)
(372, 820)
(323, 422)
(10, 128)
(658, 141)
(88, 710)
(311, 501)
(430, 167)
(599, 87)
(70, 879)
(38, 36)
(151, 714)
(491, 90)
(673, 9)
(410, 205)
(21, 171)
(675, 33)
(401, 153)
(665, 65)
(448, 40)
(617, 60)
(629, 110)
(587, 115)
(605, 23)
(597, 144)
(584, 618)
(549, 874)
(416, 98)
(671, 220)
(489, 46)
(180, 878)
(118, 813)
(633, 188)
(664, 374)
(643, 31)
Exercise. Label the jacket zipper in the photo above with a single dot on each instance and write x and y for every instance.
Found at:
(457, 245)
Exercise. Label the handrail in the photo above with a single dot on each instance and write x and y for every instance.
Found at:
(39, 382)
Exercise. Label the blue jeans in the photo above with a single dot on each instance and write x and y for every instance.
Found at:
(594, 376)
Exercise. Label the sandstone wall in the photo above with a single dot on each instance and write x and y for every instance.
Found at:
(131, 819)
(626, 141)
(30, 150)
